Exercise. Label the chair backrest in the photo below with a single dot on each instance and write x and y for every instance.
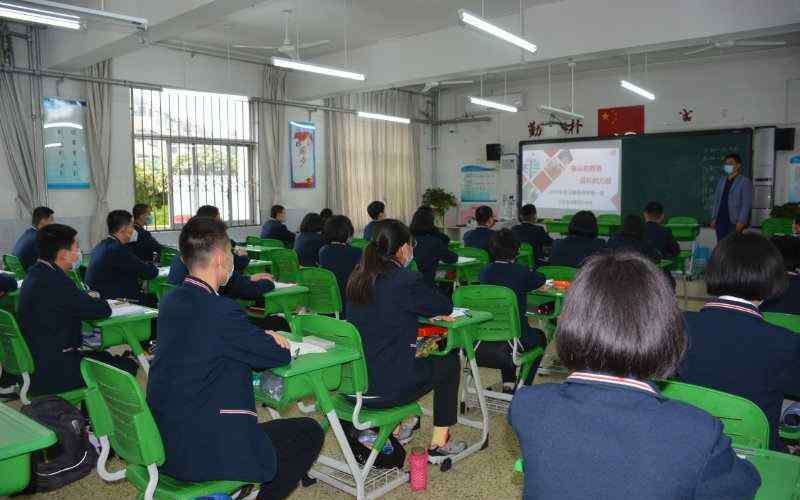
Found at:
(117, 409)
(324, 296)
(500, 301)
(788, 321)
(167, 253)
(475, 253)
(560, 273)
(526, 256)
(776, 225)
(165, 288)
(682, 220)
(13, 264)
(354, 373)
(272, 243)
(742, 420)
(254, 241)
(567, 217)
(609, 219)
(358, 242)
(15, 357)
(285, 264)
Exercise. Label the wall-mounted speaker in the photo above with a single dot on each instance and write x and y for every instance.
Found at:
(494, 152)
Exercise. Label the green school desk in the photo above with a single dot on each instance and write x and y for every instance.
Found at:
(545, 294)
(683, 233)
(19, 436)
(127, 329)
(258, 252)
(464, 268)
(607, 229)
(154, 285)
(285, 299)
(556, 226)
(780, 473)
(257, 266)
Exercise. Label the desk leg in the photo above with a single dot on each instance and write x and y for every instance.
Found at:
(136, 347)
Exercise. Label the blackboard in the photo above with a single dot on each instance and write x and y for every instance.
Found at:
(681, 170)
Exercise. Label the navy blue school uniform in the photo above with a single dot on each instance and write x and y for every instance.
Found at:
(307, 246)
(8, 283)
(608, 438)
(369, 228)
(240, 262)
(114, 271)
(25, 248)
(145, 245)
(732, 349)
(479, 238)
(623, 242)
(200, 387)
(534, 235)
(340, 259)
(661, 239)
(430, 250)
(789, 301)
(277, 230)
(50, 311)
(573, 250)
(239, 286)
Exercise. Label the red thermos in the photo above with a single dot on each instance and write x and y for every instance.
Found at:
(419, 469)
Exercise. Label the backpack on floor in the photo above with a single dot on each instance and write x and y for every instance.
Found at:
(72, 457)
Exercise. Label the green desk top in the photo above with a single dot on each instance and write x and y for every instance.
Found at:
(549, 291)
(259, 263)
(462, 262)
(257, 248)
(19, 434)
(780, 473)
(286, 291)
(337, 355)
(474, 318)
(129, 318)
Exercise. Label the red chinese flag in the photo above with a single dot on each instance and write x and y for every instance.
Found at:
(619, 121)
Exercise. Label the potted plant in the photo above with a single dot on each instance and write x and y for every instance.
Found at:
(440, 201)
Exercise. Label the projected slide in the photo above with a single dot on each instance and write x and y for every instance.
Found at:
(562, 178)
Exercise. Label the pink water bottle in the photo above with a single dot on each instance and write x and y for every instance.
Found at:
(419, 469)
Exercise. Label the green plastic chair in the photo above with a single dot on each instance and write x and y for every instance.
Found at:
(742, 420)
(122, 421)
(471, 275)
(13, 264)
(167, 253)
(682, 220)
(775, 226)
(526, 257)
(15, 358)
(788, 321)
(272, 243)
(505, 325)
(559, 273)
(165, 288)
(567, 217)
(324, 296)
(683, 234)
(608, 224)
(285, 265)
(358, 242)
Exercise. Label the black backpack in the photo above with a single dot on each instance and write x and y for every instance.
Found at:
(72, 457)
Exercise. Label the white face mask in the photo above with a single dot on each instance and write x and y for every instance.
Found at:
(728, 169)
(134, 236)
(149, 220)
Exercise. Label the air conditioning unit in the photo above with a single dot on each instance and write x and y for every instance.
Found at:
(517, 100)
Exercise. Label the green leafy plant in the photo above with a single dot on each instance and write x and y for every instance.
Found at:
(787, 211)
(440, 201)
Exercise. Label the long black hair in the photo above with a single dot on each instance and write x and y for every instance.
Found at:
(423, 221)
(378, 258)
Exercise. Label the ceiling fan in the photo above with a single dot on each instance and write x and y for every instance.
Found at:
(726, 44)
(288, 48)
(432, 85)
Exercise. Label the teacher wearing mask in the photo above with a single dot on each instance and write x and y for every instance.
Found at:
(733, 199)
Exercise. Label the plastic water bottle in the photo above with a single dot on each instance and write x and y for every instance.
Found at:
(368, 437)
(418, 460)
(272, 385)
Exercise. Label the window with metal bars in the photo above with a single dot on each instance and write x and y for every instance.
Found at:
(192, 149)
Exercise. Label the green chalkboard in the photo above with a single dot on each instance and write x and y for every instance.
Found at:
(681, 170)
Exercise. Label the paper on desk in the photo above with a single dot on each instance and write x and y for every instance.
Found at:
(163, 271)
(459, 312)
(127, 310)
(303, 348)
(465, 260)
(19, 283)
(278, 285)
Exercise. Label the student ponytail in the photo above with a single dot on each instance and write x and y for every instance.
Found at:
(377, 258)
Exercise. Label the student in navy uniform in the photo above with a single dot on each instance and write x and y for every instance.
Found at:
(580, 243)
(656, 234)
(606, 433)
(240, 258)
(481, 235)
(51, 308)
(431, 245)
(337, 256)
(25, 248)
(384, 301)
(504, 271)
(275, 228)
(377, 212)
(145, 247)
(8, 283)
(731, 347)
(631, 237)
(200, 386)
(789, 301)
(114, 271)
(309, 241)
(527, 231)
(325, 213)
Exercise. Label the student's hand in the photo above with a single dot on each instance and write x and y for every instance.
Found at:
(279, 339)
(712, 223)
(262, 277)
(93, 294)
(739, 227)
(446, 319)
(241, 252)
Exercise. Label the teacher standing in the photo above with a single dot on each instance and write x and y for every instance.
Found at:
(733, 199)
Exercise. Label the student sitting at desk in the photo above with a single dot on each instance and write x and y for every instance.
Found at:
(25, 248)
(51, 308)
(606, 432)
(431, 245)
(325, 213)
(789, 301)
(309, 241)
(631, 237)
(200, 386)
(384, 301)
(504, 271)
(240, 258)
(114, 271)
(731, 347)
(527, 231)
(377, 212)
(337, 256)
(481, 235)
(656, 234)
(580, 243)
(145, 247)
(275, 228)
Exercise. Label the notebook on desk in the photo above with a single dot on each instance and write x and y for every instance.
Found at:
(125, 309)
(163, 272)
(302, 348)
(465, 260)
(279, 285)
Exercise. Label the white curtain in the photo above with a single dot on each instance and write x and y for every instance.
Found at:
(373, 160)
(271, 139)
(98, 138)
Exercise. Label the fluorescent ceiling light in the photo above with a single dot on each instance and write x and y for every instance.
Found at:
(637, 90)
(64, 10)
(38, 16)
(388, 118)
(316, 68)
(64, 124)
(53, 145)
(492, 104)
(560, 112)
(468, 18)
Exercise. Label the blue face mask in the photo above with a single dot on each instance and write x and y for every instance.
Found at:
(150, 220)
(728, 168)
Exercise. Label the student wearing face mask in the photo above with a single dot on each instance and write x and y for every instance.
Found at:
(733, 199)
(51, 308)
(145, 247)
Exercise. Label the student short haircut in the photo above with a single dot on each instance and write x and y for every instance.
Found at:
(39, 214)
(311, 223)
(483, 214)
(199, 237)
(423, 221)
(337, 229)
(733, 156)
(621, 317)
(376, 208)
(52, 238)
(583, 223)
(789, 247)
(139, 209)
(633, 227)
(208, 211)
(654, 209)
(527, 213)
(276, 210)
(503, 245)
(117, 219)
(326, 213)
(747, 266)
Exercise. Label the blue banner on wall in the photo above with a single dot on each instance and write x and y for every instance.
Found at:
(66, 159)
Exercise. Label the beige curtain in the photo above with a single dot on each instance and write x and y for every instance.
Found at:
(371, 159)
(271, 139)
(98, 139)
